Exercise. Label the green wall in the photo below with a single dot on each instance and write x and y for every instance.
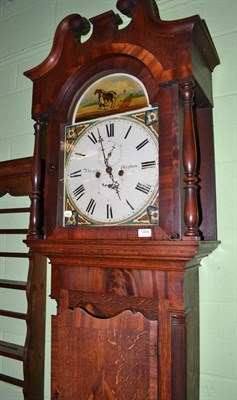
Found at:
(26, 33)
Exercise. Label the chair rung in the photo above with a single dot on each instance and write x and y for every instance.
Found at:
(11, 350)
(14, 210)
(14, 255)
(13, 231)
(10, 284)
(12, 314)
(10, 379)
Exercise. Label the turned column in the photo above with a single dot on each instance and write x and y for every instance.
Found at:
(36, 195)
(189, 162)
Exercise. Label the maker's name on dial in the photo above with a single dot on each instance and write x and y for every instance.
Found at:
(122, 167)
(129, 166)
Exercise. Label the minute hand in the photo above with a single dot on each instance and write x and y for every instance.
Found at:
(102, 148)
(115, 184)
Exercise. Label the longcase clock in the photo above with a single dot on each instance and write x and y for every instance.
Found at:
(128, 200)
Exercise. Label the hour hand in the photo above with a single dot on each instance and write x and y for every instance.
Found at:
(111, 151)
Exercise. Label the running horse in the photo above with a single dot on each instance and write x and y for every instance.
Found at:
(106, 98)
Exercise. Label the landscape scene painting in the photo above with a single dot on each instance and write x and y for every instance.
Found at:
(112, 94)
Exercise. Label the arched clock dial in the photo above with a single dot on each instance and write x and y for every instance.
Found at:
(111, 172)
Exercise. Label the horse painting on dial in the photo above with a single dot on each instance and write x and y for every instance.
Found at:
(106, 99)
(112, 94)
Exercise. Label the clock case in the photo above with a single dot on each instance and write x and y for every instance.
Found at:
(107, 279)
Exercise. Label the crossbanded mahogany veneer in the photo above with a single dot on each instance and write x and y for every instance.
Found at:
(125, 225)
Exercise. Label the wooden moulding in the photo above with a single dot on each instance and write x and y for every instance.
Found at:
(154, 255)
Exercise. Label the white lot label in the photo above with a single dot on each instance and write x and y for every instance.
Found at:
(144, 232)
(67, 213)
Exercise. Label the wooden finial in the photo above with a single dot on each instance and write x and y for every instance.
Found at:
(126, 7)
(79, 25)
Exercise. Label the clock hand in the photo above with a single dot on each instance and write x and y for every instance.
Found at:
(102, 148)
(111, 151)
(115, 184)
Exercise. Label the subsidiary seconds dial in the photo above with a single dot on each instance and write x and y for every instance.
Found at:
(111, 173)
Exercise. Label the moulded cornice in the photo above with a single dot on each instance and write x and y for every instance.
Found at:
(121, 253)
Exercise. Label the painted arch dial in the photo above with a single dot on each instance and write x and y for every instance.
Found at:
(111, 172)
